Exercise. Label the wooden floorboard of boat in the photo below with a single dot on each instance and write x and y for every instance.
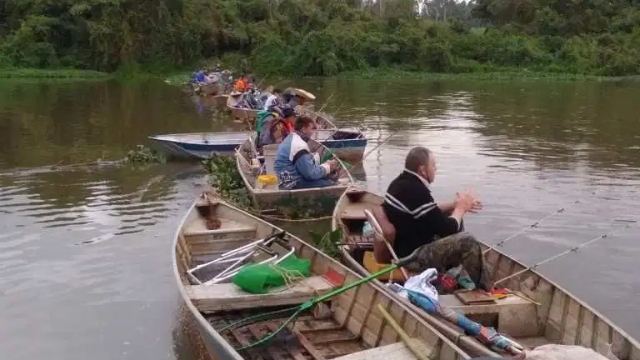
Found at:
(304, 340)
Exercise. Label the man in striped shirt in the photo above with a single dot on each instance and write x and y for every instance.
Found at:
(419, 220)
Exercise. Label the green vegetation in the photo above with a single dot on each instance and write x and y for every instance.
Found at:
(325, 37)
(13, 73)
(143, 155)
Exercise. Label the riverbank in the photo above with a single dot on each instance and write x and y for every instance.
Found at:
(27, 73)
(181, 76)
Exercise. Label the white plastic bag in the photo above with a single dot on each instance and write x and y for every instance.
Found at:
(420, 284)
(367, 231)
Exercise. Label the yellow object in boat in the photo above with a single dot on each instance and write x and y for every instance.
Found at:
(369, 262)
(268, 179)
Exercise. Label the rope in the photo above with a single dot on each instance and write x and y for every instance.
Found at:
(291, 277)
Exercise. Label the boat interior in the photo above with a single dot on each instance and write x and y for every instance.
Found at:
(342, 134)
(216, 240)
(251, 167)
(534, 311)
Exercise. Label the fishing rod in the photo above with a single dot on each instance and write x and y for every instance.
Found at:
(570, 250)
(374, 148)
(525, 229)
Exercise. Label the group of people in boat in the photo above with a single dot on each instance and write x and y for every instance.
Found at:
(296, 166)
(211, 75)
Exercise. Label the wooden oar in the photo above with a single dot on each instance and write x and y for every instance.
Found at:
(403, 335)
(573, 249)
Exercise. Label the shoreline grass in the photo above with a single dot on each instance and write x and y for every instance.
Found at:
(507, 74)
(29, 73)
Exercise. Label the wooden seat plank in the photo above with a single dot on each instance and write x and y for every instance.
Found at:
(198, 227)
(228, 296)
(354, 211)
(395, 351)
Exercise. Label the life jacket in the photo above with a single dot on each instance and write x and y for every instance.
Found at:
(240, 85)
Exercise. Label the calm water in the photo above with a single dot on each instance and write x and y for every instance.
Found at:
(85, 251)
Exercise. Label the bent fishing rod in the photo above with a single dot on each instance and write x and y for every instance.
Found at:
(525, 229)
(568, 251)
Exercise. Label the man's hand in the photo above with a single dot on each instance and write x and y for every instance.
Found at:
(329, 165)
(335, 164)
(476, 206)
(464, 201)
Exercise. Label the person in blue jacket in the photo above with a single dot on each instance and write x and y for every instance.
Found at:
(199, 77)
(295, 165)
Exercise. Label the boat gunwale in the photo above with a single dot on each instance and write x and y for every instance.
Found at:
(205, 325)
(159, 137)
(347, 255)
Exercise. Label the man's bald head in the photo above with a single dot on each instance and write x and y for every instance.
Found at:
(418, 156)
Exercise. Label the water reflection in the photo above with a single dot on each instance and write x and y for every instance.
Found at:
(78, 122)
(552, 124)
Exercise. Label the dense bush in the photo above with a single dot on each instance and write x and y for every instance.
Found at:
(324, 37)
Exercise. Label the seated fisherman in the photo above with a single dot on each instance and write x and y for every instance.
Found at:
(274, 126)
(294, 164)
(293, 99)
(273, 99)
(417, 219)
(241, 84)
(199, 77)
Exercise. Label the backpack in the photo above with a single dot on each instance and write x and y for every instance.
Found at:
(262, 117)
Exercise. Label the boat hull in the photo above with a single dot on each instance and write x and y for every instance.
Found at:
(174, 148)
(559, 318)
(170, 146)
(347, 148)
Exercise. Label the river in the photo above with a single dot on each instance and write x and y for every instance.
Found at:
(85, 266)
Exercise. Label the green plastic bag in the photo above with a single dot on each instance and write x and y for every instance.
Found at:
(260, 278)
(328, 155)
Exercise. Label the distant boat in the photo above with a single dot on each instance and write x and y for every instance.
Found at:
(193, 146)
(346, 144)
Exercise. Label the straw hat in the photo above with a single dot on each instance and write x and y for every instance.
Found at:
(305, 94)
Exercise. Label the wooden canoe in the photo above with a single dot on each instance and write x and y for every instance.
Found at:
(270, 196)
(558, 317)
(243, 114)
(249, 115)
(350, 327)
